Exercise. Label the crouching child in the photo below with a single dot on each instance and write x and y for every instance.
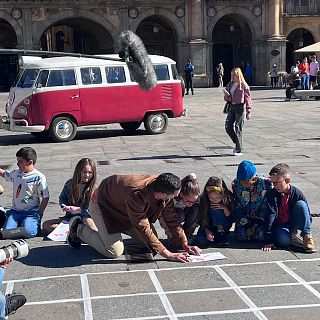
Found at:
(288, 212)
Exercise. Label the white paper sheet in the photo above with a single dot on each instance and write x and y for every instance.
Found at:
(207, 257)
(60, 233)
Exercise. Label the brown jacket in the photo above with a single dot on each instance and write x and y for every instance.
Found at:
(127, 201)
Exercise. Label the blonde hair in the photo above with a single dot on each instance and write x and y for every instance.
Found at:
(214, 184)
(239, 73)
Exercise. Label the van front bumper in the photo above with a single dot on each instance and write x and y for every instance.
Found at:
(18, 125)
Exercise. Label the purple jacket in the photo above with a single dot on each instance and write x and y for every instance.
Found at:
(240, 95)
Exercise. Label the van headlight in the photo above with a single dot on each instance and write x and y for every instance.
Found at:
(23, 110)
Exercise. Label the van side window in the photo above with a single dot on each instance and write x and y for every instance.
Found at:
(91, 76)
(174, 70)
(115, 74)
(68, 77)
(162, 72)
(58, 78)
(42, 80)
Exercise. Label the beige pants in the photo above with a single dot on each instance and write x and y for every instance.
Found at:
(109, 245)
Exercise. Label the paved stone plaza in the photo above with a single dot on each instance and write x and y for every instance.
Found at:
(61, 283)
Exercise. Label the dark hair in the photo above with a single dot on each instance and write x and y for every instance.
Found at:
(221, 187)
(27, 153)
(190, 185)
(282, 170)
(167, 183)
(78, 196)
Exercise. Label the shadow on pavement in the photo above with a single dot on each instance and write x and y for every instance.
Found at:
(62, 256)
(22, 139)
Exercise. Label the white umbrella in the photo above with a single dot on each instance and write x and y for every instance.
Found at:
(312, 48)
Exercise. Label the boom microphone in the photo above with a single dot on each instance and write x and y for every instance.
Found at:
(139, 64)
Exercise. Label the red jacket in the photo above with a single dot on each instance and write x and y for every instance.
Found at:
(304, 68)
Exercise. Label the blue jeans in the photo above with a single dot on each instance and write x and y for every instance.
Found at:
(216, 218)
(30, 220)
(299, 219)
(2, 297)
(305, 78)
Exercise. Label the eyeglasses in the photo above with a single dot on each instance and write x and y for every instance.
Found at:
(277, 182)
(190, 202)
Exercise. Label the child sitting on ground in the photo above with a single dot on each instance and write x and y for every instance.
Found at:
(288, 211)
(30, 196)
(187, 206)
(75, 196)
(249, 190)
(215, 211)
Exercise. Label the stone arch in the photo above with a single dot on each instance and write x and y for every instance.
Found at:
(67, 14)
(16, 27)
(251, 20)
(302, 26)
(166, 15)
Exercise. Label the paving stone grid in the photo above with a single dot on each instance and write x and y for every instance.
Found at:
(61, 283)
(238, 291)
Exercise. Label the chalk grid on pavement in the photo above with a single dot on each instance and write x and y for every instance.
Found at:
(257, 290)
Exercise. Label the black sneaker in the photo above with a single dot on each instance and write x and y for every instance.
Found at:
(72, 239)
(14, 301)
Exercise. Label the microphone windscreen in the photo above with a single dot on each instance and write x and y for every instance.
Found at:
(134, 53)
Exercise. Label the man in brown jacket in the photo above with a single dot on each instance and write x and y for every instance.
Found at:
(130, 204)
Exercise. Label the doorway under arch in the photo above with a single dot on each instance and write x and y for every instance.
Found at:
(231, 38)
(77, 35)
(8, 63)
(297, 39)
(158, 37)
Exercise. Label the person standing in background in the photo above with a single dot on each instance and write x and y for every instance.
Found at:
(188, 72)
(220, 73)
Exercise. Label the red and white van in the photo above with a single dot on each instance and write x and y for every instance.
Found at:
(54, 96)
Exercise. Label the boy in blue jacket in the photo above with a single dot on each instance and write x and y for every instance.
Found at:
(288, 212)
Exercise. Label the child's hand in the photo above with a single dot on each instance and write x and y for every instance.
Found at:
(3, 264)
(71, 209)
(217, 206)
(267, 247)
(210, 236)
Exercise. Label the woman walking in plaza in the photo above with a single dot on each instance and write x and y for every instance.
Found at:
(237, 93)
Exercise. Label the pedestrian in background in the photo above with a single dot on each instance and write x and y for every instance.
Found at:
(220, 73)
(188, 72)
(274, 76)
(237, 93)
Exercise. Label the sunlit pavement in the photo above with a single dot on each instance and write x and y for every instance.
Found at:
(61, 283)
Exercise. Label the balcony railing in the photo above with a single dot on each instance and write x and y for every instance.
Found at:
(301, 7)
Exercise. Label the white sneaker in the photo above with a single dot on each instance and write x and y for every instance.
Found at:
(237, 153)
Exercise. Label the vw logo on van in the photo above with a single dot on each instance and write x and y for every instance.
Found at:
(11, 98)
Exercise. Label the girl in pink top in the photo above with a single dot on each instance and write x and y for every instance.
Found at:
(238, 94)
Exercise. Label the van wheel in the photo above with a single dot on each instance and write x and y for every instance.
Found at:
(130, 126)
(42, 134)
(156, 123)
(63, 129)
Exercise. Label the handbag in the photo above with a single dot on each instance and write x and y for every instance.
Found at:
(226, 107)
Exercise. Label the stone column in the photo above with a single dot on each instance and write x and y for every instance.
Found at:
(27, 28)
(198, 50)
(276, 42)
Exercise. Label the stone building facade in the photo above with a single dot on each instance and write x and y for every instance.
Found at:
(261, 32)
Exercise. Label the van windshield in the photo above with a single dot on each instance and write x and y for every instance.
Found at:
(28, 78)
